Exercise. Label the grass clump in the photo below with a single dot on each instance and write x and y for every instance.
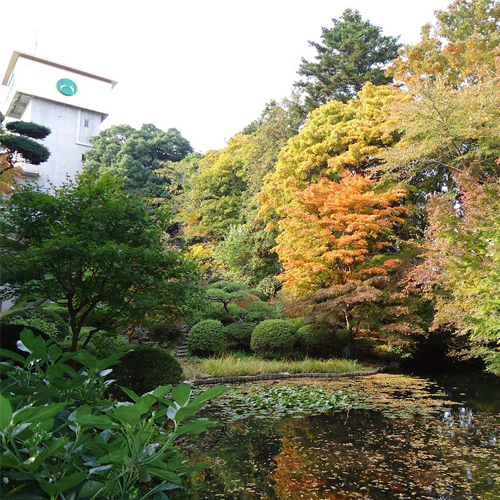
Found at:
(236, 365)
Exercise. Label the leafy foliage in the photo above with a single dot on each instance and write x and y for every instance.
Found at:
(316, 339)
(61, 439)
(134, 155)
(273, 337)
(96, 251)
(333, 233)
(207, 338)
(239, 335)
(144, 368)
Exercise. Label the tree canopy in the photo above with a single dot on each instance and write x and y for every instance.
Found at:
(95, 250)
(134, 155)
(21, 145)
(352, 53)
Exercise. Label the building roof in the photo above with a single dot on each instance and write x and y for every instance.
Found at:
(16, 54)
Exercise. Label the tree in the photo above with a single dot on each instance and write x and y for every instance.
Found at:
(353, 52)
(335, 138)
(337, 232)
(17, 147)
(462, 47)
(461, 272)
(134, 155)
(95, 250)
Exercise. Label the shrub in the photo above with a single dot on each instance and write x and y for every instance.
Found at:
(366, 343)
(343, 337)
(297, 323)
(216, 311)
(207, 338)
(258, 293)
(239, 335)
(273, 336)
(146, 368)
(54, 437)
(270, 286)
(104, 344)
(259, 311)
(315, 339)
(227, 286)
(39, 320)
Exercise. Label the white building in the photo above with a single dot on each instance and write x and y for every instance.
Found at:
(71, 102)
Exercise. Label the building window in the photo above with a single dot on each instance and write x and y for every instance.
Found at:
(86, 123)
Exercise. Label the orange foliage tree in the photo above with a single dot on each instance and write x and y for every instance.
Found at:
(335, 232)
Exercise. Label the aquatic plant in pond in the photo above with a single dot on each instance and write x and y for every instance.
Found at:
(380, 447)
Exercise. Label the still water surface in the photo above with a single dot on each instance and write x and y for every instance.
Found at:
(403, 438)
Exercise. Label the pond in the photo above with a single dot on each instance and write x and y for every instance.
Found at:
(394, 437)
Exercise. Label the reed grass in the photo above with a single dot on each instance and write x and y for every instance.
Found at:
(235, 365)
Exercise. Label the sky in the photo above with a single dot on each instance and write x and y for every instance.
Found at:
(204, 67)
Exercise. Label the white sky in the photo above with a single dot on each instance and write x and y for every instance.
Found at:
(205, 67)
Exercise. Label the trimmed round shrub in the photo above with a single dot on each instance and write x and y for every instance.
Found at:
(239, 335)
(273, 336)
(297, 323)
(146, 368)
(215, 310)
(259, 311)
(316, 339)
(343, 337)
(207, 338)
(366, 343)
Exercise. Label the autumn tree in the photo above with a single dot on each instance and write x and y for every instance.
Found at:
(95, 250)
(352, 53)
(134, 155)
(462, 47)
(461, 272)
(335, 138)
(334, 232)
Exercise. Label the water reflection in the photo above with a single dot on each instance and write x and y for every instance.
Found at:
(356, 454)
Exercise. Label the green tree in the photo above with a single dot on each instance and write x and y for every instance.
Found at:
(19, 143)
(134, 155)
(461, 271)
(353, 52)
(95, 250)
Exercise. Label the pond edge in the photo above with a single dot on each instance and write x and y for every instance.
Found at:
(286, 375)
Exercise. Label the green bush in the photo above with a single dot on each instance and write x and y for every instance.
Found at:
(227, 286)
(239, 335)
(273, 336)
(146, 368)
(270, 286)
(343, 337)
(259, 311)
(55, 437)
(258, 293)
(39, 320)
(207, 338)
(297, 323)
(104, 344)
(216, 311)
(366, 343)
(316, 339)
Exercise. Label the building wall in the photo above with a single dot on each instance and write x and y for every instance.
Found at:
(71, 130)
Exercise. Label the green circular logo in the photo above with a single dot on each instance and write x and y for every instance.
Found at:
(67, 86)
